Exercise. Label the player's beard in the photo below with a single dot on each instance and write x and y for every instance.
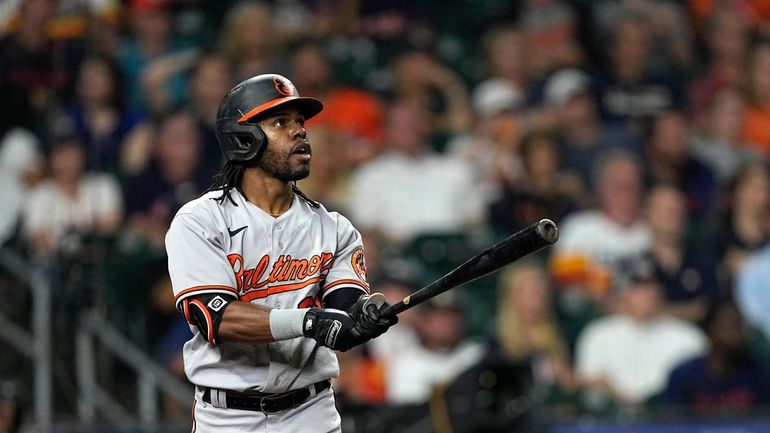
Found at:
(278, 164)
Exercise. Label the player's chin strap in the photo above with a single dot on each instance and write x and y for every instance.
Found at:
(302, 367)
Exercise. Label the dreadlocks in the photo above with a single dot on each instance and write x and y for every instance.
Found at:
(302, 195)
(231, 177)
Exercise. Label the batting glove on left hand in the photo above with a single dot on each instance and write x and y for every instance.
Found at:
(332, 328)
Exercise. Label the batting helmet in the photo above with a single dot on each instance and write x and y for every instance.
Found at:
(241, 139)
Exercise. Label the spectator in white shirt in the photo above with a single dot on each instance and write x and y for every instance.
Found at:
(626, 358)
(443, 352)
(411, 190)
(597, 245)
(71, 200)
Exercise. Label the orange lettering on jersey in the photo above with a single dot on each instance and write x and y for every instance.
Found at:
(290, 273)
(327, 259)
(298, 269)
(259, 271)
(247, 279)
(313, 265)
(277, 269)
(310, 301)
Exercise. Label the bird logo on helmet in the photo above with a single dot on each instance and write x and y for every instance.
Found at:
(284, 86)
(239, 136)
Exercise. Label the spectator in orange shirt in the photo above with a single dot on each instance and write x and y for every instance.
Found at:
(756, 122)
(355, 113)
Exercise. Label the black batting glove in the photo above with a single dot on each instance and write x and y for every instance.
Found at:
(333, 328)
(368, 314)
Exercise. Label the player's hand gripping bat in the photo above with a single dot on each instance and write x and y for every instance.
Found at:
(518, 245)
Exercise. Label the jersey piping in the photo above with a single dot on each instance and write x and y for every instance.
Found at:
(204, 289)
(327, 288)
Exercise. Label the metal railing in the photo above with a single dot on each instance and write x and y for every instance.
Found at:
(151, 376)
(34, 344)
(94, 334)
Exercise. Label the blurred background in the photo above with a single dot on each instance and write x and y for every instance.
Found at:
(642, 127)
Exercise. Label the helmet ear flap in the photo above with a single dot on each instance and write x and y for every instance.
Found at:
(244, 141)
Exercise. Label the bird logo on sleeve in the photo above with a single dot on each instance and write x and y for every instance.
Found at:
(358, 262)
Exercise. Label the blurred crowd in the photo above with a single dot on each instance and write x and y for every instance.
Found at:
(642, 127)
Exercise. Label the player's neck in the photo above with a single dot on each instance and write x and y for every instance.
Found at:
(269, 194)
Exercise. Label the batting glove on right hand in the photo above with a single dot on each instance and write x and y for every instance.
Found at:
(367, 312)
(333, 328)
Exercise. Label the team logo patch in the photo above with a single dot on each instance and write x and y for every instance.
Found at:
(216, 303)
(284, 86)
(358, 262)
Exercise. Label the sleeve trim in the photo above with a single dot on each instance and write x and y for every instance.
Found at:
(205, 289)
(328, 288)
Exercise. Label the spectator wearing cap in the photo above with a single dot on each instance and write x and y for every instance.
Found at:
(491, 146)
(625, 358)
(583, 136)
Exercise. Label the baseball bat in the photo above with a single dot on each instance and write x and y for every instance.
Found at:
(514, 247)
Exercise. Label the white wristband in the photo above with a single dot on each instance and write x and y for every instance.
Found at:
(286, 324)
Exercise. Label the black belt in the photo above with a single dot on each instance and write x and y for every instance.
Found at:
(269, 403)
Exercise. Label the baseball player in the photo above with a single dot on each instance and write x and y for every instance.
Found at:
(270, 282)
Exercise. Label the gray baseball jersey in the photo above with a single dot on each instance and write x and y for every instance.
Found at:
(292, 261)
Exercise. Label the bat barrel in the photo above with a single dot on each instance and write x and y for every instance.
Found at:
(527, 241)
